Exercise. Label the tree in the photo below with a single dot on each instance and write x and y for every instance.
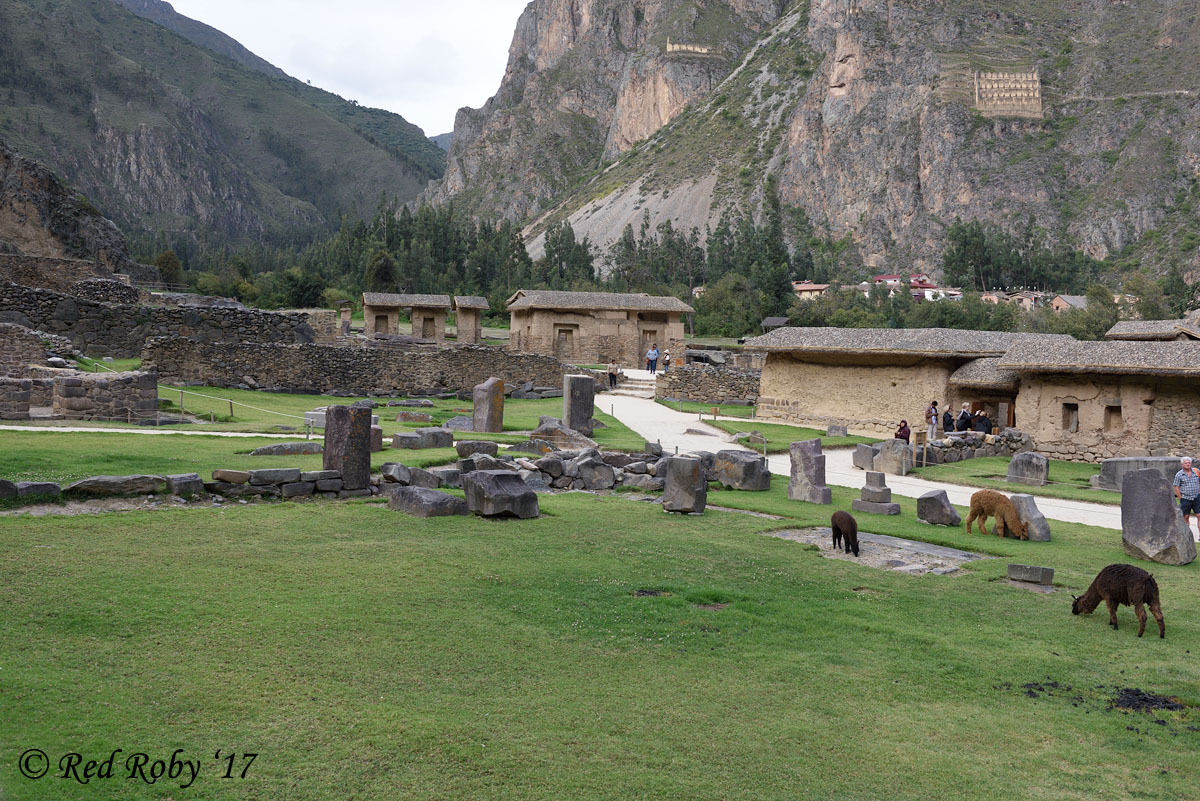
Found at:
(381, 272)
(170, 269)
(729, 308)
(1151, 303)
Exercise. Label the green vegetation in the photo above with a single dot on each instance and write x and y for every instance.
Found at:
(780, 436)
(458, 658)
(1068, 480)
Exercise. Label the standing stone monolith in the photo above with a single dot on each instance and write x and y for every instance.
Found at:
(1151, 526)
(1031, 469)
(808, 473)
(489, 405)
(1036, 527)
(876, 497)
(685, 486)
(895, 457)
(348, 445)
(742, 470)
(579, 403)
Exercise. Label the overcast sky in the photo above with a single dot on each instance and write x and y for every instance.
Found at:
(420, 59)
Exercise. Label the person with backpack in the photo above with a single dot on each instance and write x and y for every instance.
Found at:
(947, 420)
(931, 417)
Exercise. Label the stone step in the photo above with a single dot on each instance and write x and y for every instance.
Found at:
(627, 393)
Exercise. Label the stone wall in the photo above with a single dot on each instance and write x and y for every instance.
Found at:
(596, 336)
(1088, 418)
(106, 396)
(1175, 425)
(58, 274)
(14, 398)
(867, 399)
(322, 369)
(708, 384)
(102, 329)
(106, 291)
(21, 349)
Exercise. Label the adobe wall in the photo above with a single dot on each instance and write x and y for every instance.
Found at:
(103, 329)
(49, 273)
(597, 337)
(322, 369)
(708, 384)
(106, 396)
(866, 399)
(1156, 418)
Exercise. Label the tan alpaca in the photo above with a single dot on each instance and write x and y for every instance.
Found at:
(989, 503)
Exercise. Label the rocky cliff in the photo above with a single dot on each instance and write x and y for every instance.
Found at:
(585, 80)
(167, 136)
(39, 216)
(865, 112)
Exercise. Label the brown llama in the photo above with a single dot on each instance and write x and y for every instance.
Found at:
(1123, 584)
(989, 503)
(845, 528)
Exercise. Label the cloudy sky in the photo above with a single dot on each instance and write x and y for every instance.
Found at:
(420, 59)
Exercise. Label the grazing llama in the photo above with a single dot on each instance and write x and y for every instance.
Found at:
(1123, 584)
(845, 528)
(989, 503)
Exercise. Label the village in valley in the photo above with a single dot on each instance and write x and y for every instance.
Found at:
(498, 512)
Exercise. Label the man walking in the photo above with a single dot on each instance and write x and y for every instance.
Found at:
(652, 358)
(1187, 490)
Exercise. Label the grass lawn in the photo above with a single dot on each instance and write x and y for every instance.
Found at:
(1069, 480)
(67, 457)
(367, 655)
(695, 407)
(115, 366)
(780, 435)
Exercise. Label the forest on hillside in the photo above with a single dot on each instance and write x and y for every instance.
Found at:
(746, 268)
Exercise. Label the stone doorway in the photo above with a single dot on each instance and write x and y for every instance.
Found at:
(649, 338)
(564, 344)
(381, 325)
(428, 328)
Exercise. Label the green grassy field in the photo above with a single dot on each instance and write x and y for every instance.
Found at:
(366, 655)
(780, 435)
(1068, 480)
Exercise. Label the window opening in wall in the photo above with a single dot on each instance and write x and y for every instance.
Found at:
(1070, 417)
(1113, 421)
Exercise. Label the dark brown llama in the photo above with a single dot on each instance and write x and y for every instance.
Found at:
(1123, 584)
(845, 527)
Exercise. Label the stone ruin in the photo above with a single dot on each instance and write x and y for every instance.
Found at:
(808, 473)
(1009, 94)
(876, 497)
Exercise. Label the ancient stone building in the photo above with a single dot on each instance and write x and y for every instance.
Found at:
(381, 314)
(467, 313)
(1009, 94)
(1187, 329)
(1088, 401)
(870, 379)
(595, 327)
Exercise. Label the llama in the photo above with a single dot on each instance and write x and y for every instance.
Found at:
(1123, 584)
(989, 503)
(845, 528)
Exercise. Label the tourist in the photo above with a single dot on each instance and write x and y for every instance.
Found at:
(903, 432)
(666, 360)
(1187, 489)
(612, 375)
(981, 423)
(652, 358)
(931, 417)
(947, 419)
(963, 421)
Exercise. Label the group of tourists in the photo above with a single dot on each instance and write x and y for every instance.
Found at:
(652, 356)
(965, 420)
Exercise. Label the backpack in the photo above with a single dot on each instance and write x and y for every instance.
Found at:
(947, 421)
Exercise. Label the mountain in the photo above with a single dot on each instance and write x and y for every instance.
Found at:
(165, 135)
(444, 141)
(586, 79)
(860, 113)
(40, 216)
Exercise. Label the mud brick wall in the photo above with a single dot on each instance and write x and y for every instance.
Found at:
(375, 371)
(708, 384)
(14, 398)
(105, 329)
(106, 396)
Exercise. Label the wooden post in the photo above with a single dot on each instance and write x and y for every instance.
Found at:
(231, 408)
(181, 401)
